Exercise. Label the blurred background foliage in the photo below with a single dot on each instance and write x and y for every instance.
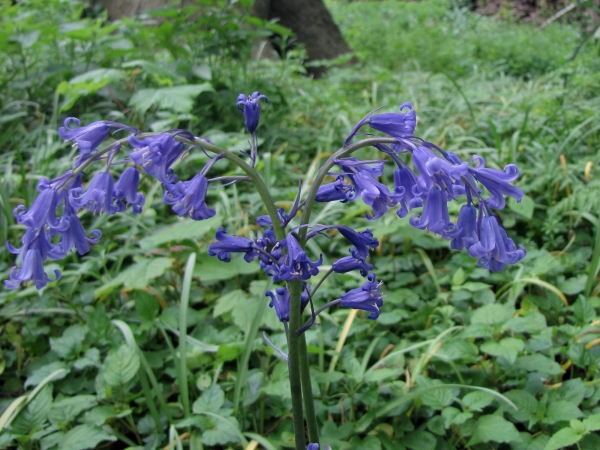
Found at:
(95, 360)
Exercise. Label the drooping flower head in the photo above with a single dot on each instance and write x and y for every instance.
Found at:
(226, 245)
(250, 106)
(99, 196)
(156, 154)
(297, 264)
(393, 124)
(126, 188)
(281, 302)
(189, 198)
(368, 297)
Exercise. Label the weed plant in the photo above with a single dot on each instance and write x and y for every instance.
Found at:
(455, 346)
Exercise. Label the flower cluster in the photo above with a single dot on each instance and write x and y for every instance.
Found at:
(440, 177)
(426, 178)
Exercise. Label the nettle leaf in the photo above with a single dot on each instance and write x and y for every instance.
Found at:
(34, 416)
(561, 411)
(146, 305)
(180, 231)
(494, 428)
(420, 440)
(99, 415)
(85, 436)
(121, 366)
(492, 314)
(69, 344)
(539, 363)
(229, 301)
(91, 358)
(507, 348)
(454, 416)
(437, 398)
(211, 400)
(177, 98)
(563, 438)
(534, 322)
(526, 403)
(65, 410)
(38, 375)
(477, 400)
(592, 423)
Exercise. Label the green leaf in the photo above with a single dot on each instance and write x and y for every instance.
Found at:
(437, 398)
(91, 358)
(508, 348)
(524, 208)
(563, 438)
(69, 344)
(491, 314)
(146, 305)
(574, 285)
(99, 415)
(420, 440)
(526, 403)
(533, 322)
(121, 366)
(33, 417)
(453, 416)
(137, 275)
(561, 410)
(229, 301)
(209, 268)
(223, 432)
(494, 428)
(85, 436)
(539, 363)
(180, 231)
(65, 410)
(211, 400)
(592, 423)
(458, 277)
(377, 375)
(38, 375)
(179, 99)
(477, 400)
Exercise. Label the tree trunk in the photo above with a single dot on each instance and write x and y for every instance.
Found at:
(313, 25)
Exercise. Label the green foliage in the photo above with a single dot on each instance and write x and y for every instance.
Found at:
(97, 358)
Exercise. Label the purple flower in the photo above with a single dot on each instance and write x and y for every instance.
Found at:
(156, 154)
(368, 297)
(297, 263)
(464, 234)
(312, 447)
(74, 236)
(495, 248)
(231, 244)
(98, 197)
(126, 188)
(392, 124)
(435, 216)
(188, 198)
(350, 263)
(438, 171)
(362, 241)
(34, 252)
(405, 181)
(88, 138)
(281, 302)
(42, 211)
(250, 105)
(338, 190)
(497, 182)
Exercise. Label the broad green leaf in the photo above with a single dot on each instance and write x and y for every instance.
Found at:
(177, 98)
(492, 314)
(539, 363)
(33, 417)
(209, 268)
(138, 275)
(561, 410)
(420, 440)
(211, 400)
(526, 403)
(592, 423)
(38, 375)
(69, 344)
(563, 438)
(146, 305)
(65, 410)
(85, 436)
(121, 366)
(223, 432)
(508, 348)
(377, 375)
(533, 322)
(91, 358)
(572, 286)
(99, 415)
(229, 301)
(179, 231)
(454, 416)
(437, 398)
(494, 428)
(477, 400)
(525, 207)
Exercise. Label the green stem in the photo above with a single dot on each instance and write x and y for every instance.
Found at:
(307, 394)
(294, 364)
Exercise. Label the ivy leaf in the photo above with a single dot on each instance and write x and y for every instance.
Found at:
(563, 438)
(85, 436)
(121, 366)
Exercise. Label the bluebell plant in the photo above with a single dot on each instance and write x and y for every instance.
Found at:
(426, 179)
